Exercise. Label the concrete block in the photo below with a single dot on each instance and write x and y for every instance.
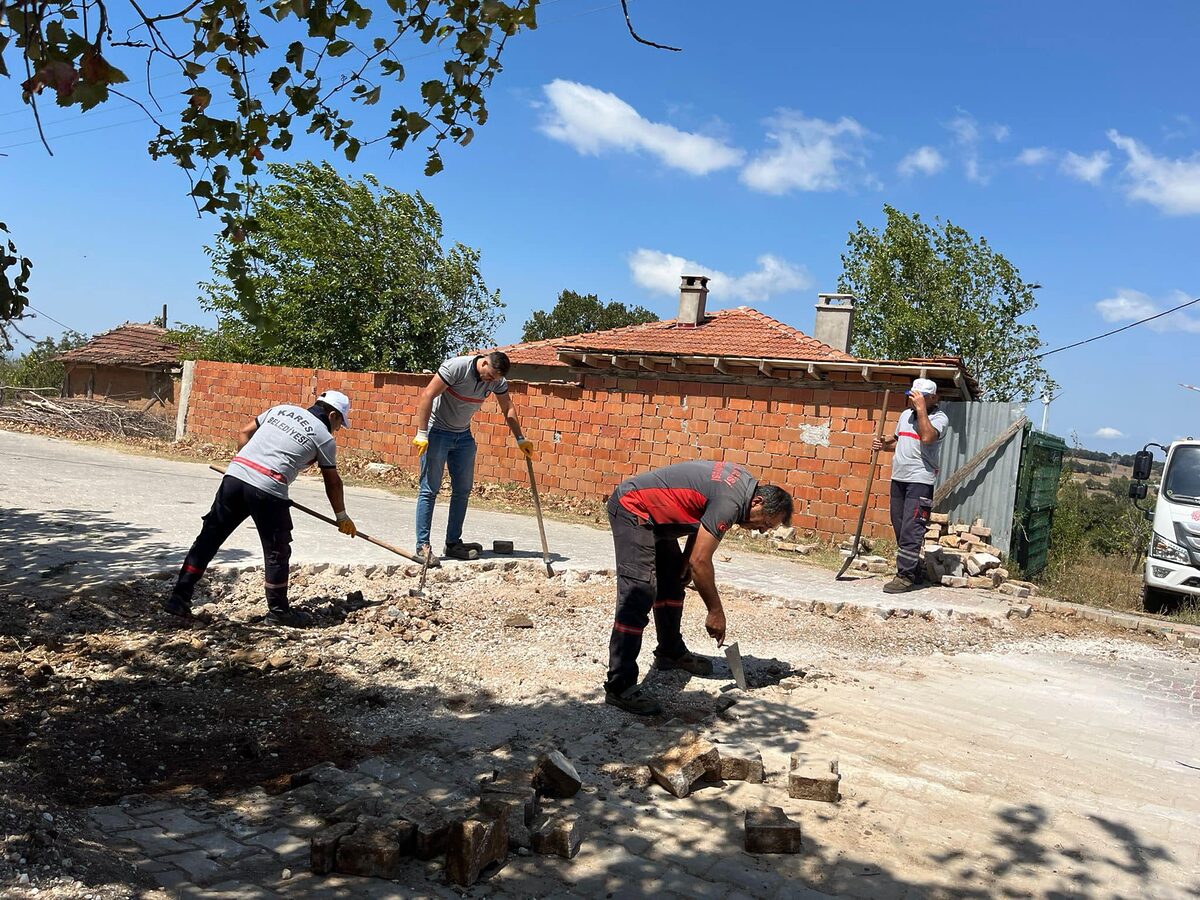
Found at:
(954, 581)
(813, 781)
(999, 576)
(503, 547)
(323, 846)
(555, 776)
(1014, 589)
(939, 518)
(769, 830)
(979, 563)
(472, 846)
(513, 811)
(980, 582)
(432, 827)
(949, 540)
(558, 836)
(683, 765)
(1020, 611)
(370, 852)
(740, 763)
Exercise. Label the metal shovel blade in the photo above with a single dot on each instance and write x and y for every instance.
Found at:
(733, 656)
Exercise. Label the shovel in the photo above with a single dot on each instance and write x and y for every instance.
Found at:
(537, 507)
(862, 513)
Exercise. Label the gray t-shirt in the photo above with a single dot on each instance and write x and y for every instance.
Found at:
(465, 392)
(682, 498)
(288, 439)
(914, 461)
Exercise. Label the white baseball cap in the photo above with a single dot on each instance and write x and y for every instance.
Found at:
(341, 403)
(923, 386)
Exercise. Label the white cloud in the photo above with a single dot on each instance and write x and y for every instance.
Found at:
(659, 272)
(808, 155)
(1173, 185)
(1034, 156)
(925, 160)
(1086, 168)
(593, 121)
(1108, 434)
(969, 135)
(1130, 306)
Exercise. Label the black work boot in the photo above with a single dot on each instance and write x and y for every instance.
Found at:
(177, 606)
(287, 617)
(688, 662)
(462, 551)
(898, 585)
(633, 700)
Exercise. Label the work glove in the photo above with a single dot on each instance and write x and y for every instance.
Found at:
(421, 442)
(346, 524)
(526, 445)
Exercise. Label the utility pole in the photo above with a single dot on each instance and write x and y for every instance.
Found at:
(1045, 409)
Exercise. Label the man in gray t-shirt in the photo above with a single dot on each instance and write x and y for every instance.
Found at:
(444, 440)
(272, 449)
(916, 443)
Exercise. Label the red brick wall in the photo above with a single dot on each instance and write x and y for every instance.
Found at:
(607, 429)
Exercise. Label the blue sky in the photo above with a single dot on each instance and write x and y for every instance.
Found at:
(1068, 140)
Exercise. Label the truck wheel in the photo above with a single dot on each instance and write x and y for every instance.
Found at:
(1155, 601)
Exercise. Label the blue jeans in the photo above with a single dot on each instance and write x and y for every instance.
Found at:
(455, 450)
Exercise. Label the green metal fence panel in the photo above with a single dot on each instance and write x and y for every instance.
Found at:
(1037, 495)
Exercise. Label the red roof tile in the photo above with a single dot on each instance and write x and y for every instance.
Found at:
(129, 345)
(739, 332)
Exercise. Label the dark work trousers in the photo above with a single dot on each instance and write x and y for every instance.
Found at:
(912, 502)
(235, 501)
(649, 578)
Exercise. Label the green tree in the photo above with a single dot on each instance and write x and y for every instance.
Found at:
(349, 276)
(39, 366)
(937, 291)
(253, 75)
(578, 313)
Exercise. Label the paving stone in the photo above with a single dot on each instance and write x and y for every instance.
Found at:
(812, 781)
(769, 830)
(171, 878)
(380, 769)
(755, 879)
(323, 846)
(280, 841)
(683, 765)
(473, 845)
(111, 819)
(199, 867)
(370, 852)
(555, 776)
(432, 824)
(558, 836)
(740, 762)
(177, 823)
(513, 811)
(155, 842)
(219, 844)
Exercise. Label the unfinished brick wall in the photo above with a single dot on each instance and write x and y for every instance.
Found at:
(813, 440)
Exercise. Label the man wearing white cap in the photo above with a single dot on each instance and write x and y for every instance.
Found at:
(272, 449)
(916, 442)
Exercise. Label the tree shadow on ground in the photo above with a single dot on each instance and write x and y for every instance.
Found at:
(54, 551)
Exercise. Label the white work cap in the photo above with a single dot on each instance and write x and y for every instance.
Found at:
(923, 386)
(341, 403)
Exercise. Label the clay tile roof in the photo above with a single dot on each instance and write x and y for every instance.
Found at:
(130, 344)
(739, 332)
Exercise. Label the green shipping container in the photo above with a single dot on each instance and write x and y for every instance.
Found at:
(1037, 495)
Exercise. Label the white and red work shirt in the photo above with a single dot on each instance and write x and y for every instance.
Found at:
(680, 499)
(464, 394)
(288, 439)
(914, 462)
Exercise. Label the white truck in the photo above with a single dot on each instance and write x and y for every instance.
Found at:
(1172, 569)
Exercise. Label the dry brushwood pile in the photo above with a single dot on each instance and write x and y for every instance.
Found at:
(78, 415)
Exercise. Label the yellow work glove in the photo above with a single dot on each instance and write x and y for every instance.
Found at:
(421, 442)
(346, 524)
(526, 446)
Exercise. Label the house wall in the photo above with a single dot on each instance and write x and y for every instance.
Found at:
(118, 382)
(814, 439)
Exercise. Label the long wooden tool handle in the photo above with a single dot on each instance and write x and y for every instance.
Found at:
(537, 508)
(866, 501)
(362, 534)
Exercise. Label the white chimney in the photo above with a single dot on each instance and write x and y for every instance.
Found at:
(834, 323)
(693, 295)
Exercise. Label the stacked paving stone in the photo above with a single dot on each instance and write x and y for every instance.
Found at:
(961, 556)
(371, 834)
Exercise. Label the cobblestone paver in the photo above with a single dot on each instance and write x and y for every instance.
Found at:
(1035, 774)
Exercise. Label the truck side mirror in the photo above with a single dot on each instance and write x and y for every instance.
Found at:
(1137, 490)
(1143, 460)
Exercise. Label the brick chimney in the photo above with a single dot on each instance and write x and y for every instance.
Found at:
(834, 323)
(693, 295)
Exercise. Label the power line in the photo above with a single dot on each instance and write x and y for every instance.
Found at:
(1165, 312)
(52, 319)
